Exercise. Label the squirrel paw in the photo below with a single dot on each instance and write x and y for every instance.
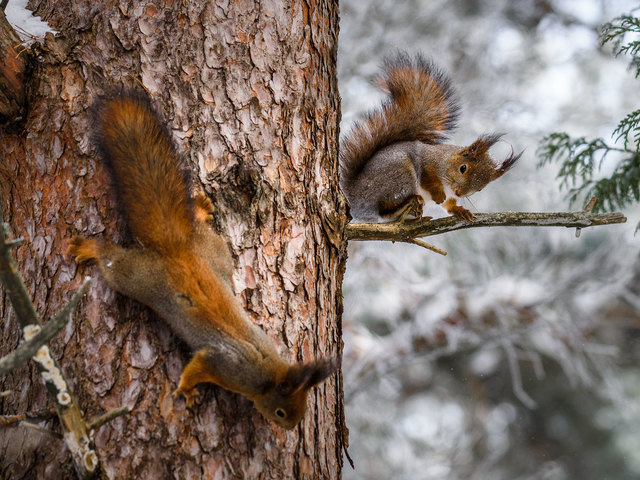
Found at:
(462, 213)
(189, 396)
(454, 209)
(203, 207)
(412, 207)
(83, 249)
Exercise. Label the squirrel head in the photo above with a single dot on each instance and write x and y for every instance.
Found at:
(472, 168)
(285, 402)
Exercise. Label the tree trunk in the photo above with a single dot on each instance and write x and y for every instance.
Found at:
(249, 91)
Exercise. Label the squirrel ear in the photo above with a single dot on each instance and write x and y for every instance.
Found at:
(508, 162)
(306, 375)
(481, 146)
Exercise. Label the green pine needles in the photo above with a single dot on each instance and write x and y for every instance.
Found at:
(581, 159)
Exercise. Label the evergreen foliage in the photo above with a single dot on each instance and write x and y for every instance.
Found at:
(582, 159)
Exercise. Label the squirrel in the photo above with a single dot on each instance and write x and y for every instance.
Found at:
(182, 269)
(394, 161)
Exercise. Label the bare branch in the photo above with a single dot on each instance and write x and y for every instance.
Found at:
(107, 417)
(591, 204)
(406, 232)
(28, 349)
(15, 243)
(41, 429)
(428, 246)
(588, 208)
(45, 414)
(75, 433)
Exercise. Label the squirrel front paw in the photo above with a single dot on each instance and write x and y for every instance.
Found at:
(189, 395)
(454, 209)
(83, 249)
(463, 214)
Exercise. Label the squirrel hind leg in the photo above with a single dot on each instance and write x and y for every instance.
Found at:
(398, 212)
(203, 207)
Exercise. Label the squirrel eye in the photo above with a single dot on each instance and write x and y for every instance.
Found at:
(280, 413)
(463, 168)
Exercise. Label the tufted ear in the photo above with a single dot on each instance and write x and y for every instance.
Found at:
(303, 376)
(481, 146)
(508, 162)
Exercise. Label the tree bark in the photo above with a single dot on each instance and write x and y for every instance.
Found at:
(249, 91)
(12, 66)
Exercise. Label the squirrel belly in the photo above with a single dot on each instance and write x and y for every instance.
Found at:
(182, 269)
(393, 162)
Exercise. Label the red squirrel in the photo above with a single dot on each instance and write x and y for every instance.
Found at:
(182, 269)
(394, 161)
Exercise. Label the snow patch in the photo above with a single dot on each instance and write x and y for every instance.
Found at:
(27, 26)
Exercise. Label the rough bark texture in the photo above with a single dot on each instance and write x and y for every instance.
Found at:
(12, 66)
(249, 91)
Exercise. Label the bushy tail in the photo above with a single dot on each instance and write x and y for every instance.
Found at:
(146, 169)
(421, 106)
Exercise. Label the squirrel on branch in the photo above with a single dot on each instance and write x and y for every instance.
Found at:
(394, 161)
(182, 269)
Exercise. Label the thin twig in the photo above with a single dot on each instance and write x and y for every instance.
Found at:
(428, 246)
(591, 204)
(107, 417)
(74, 427)
(28, 349)
(15, 242)
(41, 429)
(44, 414)
(588, 208)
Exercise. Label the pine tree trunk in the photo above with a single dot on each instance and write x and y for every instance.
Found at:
(249, 91)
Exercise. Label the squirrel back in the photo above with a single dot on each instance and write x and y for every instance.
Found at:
(421, 106)
(151, 184)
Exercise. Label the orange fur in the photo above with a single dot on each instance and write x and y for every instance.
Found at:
(394, 161)
(421, 106)
(183, 270)
(151, 184)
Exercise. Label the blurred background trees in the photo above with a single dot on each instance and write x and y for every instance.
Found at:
(514, 357)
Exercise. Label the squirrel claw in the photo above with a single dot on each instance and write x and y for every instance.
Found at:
(454, 209)
(412, 208)
(189, 396)
(83, 249)
(203, 207)
(463, 214)
(405, 221)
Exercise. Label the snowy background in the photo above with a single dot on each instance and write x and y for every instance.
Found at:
(514, 357)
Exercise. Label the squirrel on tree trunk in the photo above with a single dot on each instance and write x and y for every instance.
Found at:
(182, 268)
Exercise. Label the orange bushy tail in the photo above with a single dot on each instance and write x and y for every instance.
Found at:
(420, 106)
(146, 169)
